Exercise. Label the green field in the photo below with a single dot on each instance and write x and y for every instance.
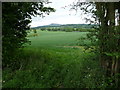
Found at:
(53, 39)
(54, 60)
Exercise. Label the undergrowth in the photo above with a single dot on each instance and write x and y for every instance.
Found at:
(59, 68)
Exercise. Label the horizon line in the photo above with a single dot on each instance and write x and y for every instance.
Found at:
(57, 23)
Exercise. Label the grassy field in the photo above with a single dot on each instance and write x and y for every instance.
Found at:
(52, 60)
(53, 39)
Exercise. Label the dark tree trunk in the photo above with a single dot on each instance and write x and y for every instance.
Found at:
(108, 43)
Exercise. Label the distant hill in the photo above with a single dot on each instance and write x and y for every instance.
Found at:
(66, 25)
(54, 24)
(50, 25)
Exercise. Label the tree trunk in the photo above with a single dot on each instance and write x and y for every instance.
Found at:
(107, 38)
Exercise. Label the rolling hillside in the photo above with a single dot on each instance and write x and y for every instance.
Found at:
(66, 25)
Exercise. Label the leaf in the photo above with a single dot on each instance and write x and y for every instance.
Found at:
(116, 54)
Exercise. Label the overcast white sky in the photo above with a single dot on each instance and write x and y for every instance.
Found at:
(61, 16)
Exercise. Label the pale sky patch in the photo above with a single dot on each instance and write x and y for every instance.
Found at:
(61, 16)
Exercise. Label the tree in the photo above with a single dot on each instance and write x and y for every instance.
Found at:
(15, 19)
(108, 35)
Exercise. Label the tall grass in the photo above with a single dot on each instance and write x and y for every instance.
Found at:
(66, 68)
(43, 65)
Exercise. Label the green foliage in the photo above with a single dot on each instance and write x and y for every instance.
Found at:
(34, 30)
(83, 41)
(67, 29)
(15, 19)
(107, 36)
(113, 54)
(55, 67)
(47, 66)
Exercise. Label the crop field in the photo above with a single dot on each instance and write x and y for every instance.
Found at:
(54, 60)
(53, 39)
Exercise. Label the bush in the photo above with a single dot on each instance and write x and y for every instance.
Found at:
(48, 68)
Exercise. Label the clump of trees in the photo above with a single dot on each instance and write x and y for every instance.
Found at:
(109, 38)
(68, 29)
(15, 22)
(108, 35)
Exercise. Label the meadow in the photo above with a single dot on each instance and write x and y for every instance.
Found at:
(54, 59)
(53, 39)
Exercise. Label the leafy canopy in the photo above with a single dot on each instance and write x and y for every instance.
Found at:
(15, 21)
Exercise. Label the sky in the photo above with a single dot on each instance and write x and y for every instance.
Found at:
(61, 15)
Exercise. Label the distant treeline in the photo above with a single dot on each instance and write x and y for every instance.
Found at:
(67, 27)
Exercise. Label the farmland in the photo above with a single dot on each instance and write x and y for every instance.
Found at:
(55, 60)
(53, 39)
